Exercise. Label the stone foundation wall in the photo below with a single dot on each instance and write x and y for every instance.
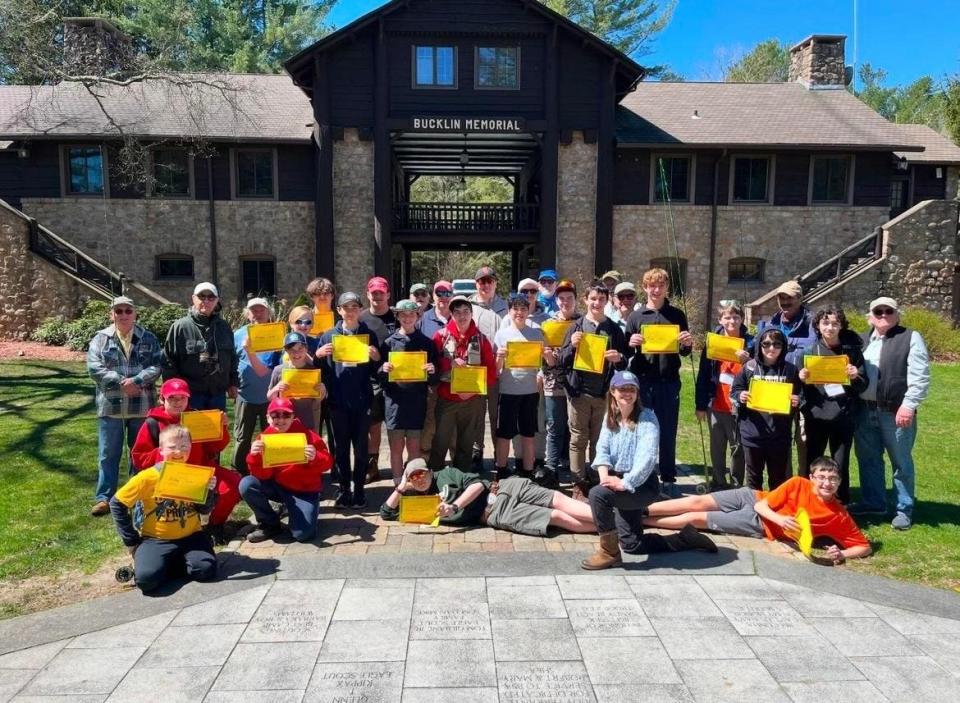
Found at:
(127, 235)
(31, 289)
(953, 183)
(577, 209)
(353, 212)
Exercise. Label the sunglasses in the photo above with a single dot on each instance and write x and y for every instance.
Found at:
(304, 323)
(123, 311)
(280, 416)
(627, 296)
(880, 312)
(206, 296)
(443, 293)
(421, 294)
(530, 291)
(772, 345)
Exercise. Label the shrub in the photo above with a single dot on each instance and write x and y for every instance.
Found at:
(159, 320)
(943, 340)
(52, 331)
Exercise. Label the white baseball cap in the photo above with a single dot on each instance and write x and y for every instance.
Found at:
(253, 302)
(205, 286)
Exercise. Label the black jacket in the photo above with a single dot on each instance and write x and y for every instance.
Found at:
(656, 367)
(201, 351)
(758, 428)
(708, 373)
(816, 403)
(575, 381)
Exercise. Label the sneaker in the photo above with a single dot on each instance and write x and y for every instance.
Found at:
(217, 533)
(476, 462)
(373, 470)
(901, 522)
(669, 490)
(546, 478)
(264, 532)
(100, 508)
(502, 473)
(344, 500)
(359, 501)
(864, 509)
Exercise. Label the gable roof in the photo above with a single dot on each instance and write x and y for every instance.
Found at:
(219, 107)
(751, 115)
(937, 149)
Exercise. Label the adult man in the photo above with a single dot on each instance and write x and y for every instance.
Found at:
(610, 281)
(250, 408)
(795, 320)
(123, 360)
(489, 309)
(659, 374)
(420, 294)
(624, 299)
(382, 323)
(547, 281)
(200, 349)
(431, 322)
(898, 372)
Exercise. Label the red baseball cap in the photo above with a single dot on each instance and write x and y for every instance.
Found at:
(175, 386)
(282, 404)
(442, 285)
(378, 283)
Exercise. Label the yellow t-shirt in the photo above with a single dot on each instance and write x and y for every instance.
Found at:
(163, 518)
(125, 341)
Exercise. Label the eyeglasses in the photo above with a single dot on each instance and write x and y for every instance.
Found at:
(772, 345)
(825, 479)
(627, 296)
(123, 311)
(421, 294)
(486, 280)
(304, 323)
(280, 416)
(880, 312)
(530, 291)
(206, 296)
(443, 293)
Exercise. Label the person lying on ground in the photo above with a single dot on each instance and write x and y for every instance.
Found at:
(751, 513)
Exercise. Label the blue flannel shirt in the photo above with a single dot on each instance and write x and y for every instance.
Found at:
(631, 453)
(108, 366)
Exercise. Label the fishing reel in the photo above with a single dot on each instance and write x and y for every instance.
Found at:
(124, 574)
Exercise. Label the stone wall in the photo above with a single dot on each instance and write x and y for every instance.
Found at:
(818, 61)
(353, 212)
(953, 183)
(577, 209)
(31, 289)
(127, 235)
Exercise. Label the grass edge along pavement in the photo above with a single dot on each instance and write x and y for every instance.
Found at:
(48, 445)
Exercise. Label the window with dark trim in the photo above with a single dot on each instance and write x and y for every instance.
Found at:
(171, 172)
(498, 67)
(745, 269)
(672, 179)
(174, 267)
(434, 67)
(85, 170)
(751, 179)
(258, 277)
(831, 179)
(255, 173)
(677, 271)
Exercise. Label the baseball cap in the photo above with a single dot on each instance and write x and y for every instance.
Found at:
(253, 302)
(418, 287)
(121, 300)
(526, 283)
(294, 338)
(625, 286)
(405, 306)
(457, 300)
(442, 285)
(415, 466)
(624, 378)
(205, 286)
(612, 274)
(549, 274)
(347, 298)
(378, 283)
(283, 404)
(174, 386)
(791, 288)
(884, 300)
(565, 285)
(483, 272)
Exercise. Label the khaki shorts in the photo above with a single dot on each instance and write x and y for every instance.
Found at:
(521, 506)
(736, 515)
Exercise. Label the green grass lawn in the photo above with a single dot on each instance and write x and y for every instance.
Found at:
(48, 445)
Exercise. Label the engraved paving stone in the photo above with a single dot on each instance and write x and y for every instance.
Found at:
(774, 618)
(553, 682)
(608, 618)
(369, 682)
(453, 621)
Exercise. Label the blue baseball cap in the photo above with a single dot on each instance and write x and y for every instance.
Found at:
(294, 338)
(624, 378)
(549, 274)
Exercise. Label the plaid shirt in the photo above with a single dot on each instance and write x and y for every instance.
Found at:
(108, 366)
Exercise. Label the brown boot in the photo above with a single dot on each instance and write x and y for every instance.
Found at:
(373, 470)
(607, 554)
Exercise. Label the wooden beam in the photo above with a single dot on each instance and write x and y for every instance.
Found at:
(606, 146)
(549, 156)
(324, 233)
(382, 201)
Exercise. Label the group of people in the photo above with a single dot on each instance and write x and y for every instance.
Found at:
(612, 423)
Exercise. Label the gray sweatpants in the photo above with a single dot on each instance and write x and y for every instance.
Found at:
(724, 434)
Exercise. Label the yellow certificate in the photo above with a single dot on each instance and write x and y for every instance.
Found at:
(805, 538)
(660, 339)
(555, 331)
(204, 425)
(770, 396)
(827, 369)
(468, 379)
(322, 321)
(284, 448)
(351, 348)
(302, 383)
(267, 336)
(720, 347)
(523, 355)
(419, 510)
(590, 353)
(186, 482)
(408, 366)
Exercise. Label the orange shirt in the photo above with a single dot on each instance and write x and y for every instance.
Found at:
(827, 519)
(721, 397)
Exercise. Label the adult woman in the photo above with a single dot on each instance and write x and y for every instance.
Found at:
(828, 409)
(625, 462)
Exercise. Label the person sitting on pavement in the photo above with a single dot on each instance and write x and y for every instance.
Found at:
(625, 467)
(751, 513)
(170, 539)
(297, 485)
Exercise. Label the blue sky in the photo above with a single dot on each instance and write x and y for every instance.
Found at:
(908, 39)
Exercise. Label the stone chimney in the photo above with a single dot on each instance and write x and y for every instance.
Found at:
(818, 61)
(93, 46)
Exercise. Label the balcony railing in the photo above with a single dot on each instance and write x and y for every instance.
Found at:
(463, 217)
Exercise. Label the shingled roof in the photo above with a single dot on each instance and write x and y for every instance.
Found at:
(775, 115)
(937, 149)
(219, 107)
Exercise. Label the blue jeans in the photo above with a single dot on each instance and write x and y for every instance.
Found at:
(110, 435)
(202, 401)
(302, 508)
(558, 432)
(877, 431)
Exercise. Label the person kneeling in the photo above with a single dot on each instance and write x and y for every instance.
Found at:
(745, 511)
(170, 539)
(297, 485)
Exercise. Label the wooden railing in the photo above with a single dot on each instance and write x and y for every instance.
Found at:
(466, 217)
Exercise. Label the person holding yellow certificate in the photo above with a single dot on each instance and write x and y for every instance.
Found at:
(766, 436)
(296, 484)
(409, 360)
(829, 409)
(297, 357)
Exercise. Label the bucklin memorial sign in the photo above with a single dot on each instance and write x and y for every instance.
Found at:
(467, 124)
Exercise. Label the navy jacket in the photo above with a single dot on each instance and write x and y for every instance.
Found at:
(348, 386)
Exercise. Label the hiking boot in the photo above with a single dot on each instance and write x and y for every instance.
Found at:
(264, 532)
(607, 554)
(100, 508)
(373, 470)
(692, 538)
